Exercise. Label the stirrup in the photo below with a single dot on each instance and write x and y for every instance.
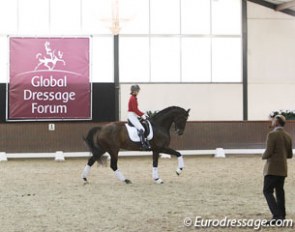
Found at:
(148, 144)
(145, 147)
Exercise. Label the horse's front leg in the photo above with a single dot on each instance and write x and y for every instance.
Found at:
(114, 167)
(179, 158)
(155, 173)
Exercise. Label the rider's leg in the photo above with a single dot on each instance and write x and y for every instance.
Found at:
(142, 139)
(147, 143)
(134, 120)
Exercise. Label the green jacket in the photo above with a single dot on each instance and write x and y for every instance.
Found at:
(278, 150)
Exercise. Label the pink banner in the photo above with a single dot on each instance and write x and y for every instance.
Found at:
(49, 78)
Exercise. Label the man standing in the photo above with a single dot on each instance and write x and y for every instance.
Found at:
(278, 150)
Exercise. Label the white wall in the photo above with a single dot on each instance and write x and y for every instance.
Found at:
(206, 101)
(271, 61)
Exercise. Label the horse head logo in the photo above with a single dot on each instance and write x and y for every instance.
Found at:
(50, 59)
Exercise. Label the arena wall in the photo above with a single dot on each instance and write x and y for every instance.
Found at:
(271, 69)
(206, 101)
(32, 137)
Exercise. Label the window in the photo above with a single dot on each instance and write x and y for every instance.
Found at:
(102, 59)
(165, 16)
(165, 60)
(189, 41)
(32, 21)
(160, 40)
(8, 17)
(196, 59)
(226, 60)
(226, 17)
(134, 59)
(65, 17)
(96, 16)
(195, 17)
(135, 17)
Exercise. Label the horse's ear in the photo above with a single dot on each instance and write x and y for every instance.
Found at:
(188, 111)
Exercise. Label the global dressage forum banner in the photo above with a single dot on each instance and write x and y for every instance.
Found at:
(49, 78)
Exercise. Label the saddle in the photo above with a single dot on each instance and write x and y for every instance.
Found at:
(146, 125)
(132, 131)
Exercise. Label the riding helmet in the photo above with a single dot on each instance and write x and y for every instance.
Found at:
(134, 88)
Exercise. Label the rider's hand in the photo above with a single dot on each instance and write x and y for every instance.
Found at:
(143, 117)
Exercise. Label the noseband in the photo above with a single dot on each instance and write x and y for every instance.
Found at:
(177, 120)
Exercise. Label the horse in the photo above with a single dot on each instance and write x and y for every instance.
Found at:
(113, 136)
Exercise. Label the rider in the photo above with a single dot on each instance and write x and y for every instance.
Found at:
(134, 113)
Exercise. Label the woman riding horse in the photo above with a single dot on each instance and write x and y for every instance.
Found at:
(134, 113)
(114, 136)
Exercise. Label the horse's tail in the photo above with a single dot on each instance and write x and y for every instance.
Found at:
(96, 150)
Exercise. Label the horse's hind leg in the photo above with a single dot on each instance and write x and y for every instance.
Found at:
(98, 153)
(114, 167)
(87, 168)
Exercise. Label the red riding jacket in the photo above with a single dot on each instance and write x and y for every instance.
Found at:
(133, 106)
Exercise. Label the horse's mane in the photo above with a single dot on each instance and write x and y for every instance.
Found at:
(164, 111)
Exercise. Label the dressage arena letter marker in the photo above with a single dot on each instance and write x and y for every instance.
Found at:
(219, 153)
(59, 156)
(51, 127)
(3, 156)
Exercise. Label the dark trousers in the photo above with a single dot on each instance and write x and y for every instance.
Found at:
(276, 204)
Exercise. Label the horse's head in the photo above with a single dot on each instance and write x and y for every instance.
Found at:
(180, 120)
(173, 114)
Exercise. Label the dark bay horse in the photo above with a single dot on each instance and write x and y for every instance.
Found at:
(114, 136)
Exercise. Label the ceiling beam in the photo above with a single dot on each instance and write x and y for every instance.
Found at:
(263, 3)
(272, 6)
(285, 5)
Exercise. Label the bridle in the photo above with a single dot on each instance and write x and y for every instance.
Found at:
(177, 121)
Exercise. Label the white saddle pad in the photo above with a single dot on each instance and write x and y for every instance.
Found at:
(133, 135)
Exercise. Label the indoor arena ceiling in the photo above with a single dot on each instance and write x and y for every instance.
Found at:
(285, 6)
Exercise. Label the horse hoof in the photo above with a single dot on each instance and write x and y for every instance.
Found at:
(179, 171)
(158, 181)
(128, 181)
(85, 181)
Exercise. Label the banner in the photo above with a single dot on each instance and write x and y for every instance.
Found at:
(49, 78)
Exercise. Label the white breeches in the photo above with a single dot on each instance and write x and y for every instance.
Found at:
(133, 118)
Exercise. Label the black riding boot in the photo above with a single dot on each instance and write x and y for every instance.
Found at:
(148, 144)
(144, 144)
